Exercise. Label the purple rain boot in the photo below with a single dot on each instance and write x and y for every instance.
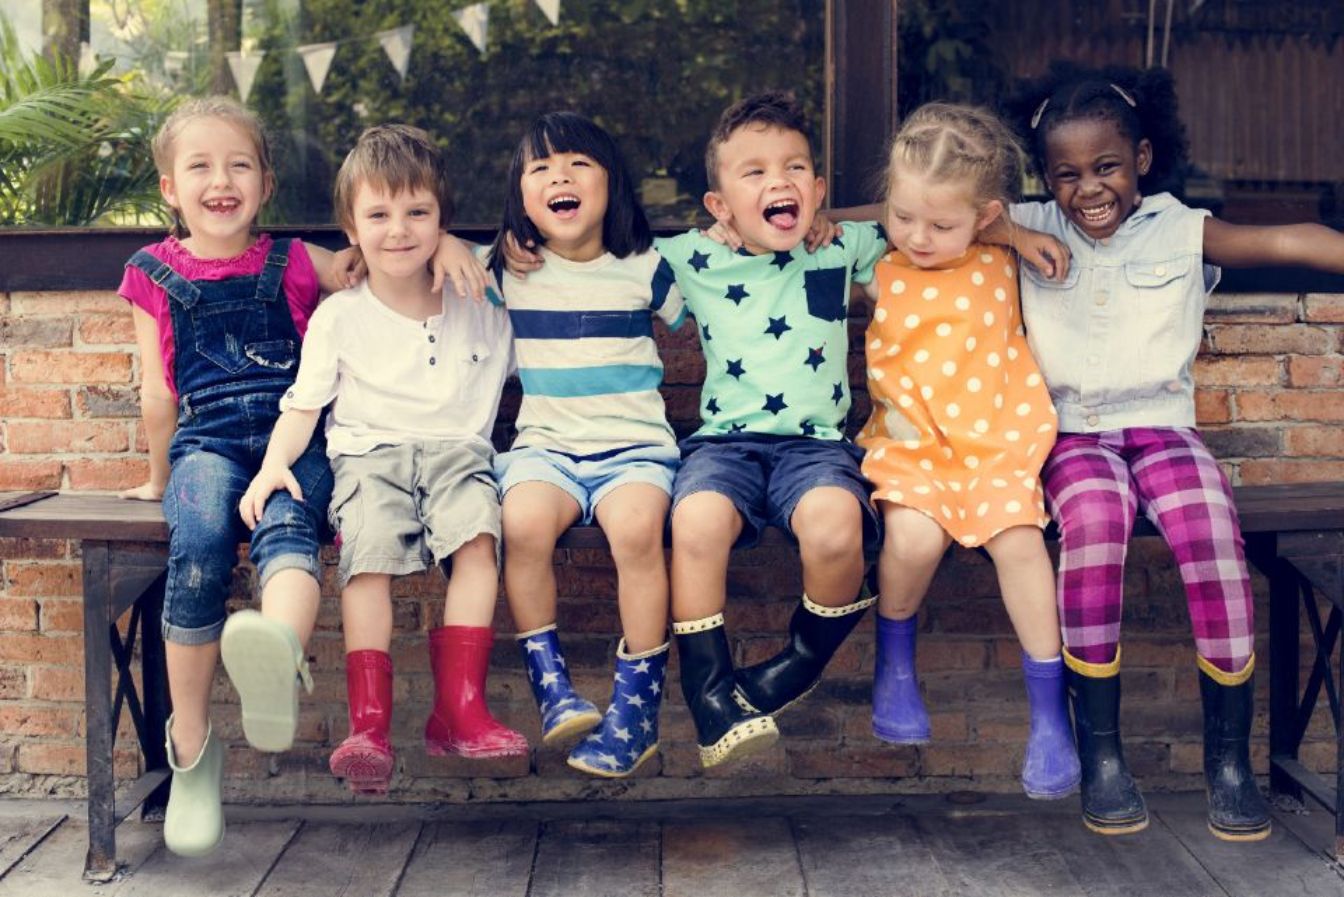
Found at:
(1050, 769)
(898, 710)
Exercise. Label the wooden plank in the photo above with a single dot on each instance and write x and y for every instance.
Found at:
(236, 869)
(598, 858)
(993, 855)
(471, 859)
(1150, 863)
(743, 857)
(327, 860)
(843, 857)
(19, 836)
(56, 867)
(1276, 865)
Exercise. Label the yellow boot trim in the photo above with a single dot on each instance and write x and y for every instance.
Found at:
(686, 627)
(1093, 670)
(1223, 678)
(844, 610)
(743, 739)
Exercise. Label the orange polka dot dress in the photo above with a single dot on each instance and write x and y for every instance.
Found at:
(961, 421)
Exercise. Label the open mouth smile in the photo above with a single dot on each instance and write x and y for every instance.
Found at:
(221, 206)
(566, 205)
(782, 213)
(1095, 215)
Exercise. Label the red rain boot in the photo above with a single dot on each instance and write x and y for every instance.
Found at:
(461, 723)
(365, 759)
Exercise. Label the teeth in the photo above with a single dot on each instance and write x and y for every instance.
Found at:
(781, 204)
(1098, 213)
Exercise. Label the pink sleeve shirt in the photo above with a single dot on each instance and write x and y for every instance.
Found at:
(299, 284)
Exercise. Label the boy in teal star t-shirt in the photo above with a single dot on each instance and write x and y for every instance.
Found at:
(771, 450)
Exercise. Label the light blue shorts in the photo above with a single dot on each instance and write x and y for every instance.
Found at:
(588, 479)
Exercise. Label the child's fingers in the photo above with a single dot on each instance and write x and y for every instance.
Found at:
(247, 509)
(436, 285)
(292, 485)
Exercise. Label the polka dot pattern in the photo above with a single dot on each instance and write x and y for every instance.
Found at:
(968, 386)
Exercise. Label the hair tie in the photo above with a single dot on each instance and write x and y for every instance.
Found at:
(1124, 95)
(1040, 110)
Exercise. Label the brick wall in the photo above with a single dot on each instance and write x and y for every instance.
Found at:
(1271, 406)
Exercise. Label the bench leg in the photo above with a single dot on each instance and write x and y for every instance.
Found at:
(154, 694)
(1284, 622)
(100, 864)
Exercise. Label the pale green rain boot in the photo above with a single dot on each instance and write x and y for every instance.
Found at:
(266, 664)
(193, 825)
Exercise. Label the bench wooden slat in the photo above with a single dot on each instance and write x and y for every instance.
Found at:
(1293, 507)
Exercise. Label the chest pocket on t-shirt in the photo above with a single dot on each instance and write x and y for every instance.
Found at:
(607, 334)
(825, 289)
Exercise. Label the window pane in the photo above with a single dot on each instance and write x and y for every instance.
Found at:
(654, 73)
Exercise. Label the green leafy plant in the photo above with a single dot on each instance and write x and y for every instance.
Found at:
(74, 149)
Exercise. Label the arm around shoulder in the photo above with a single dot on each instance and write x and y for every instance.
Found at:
(1242, 245)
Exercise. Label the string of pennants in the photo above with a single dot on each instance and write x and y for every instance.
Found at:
(474, 20)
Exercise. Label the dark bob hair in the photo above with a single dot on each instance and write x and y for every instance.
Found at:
(625, 229)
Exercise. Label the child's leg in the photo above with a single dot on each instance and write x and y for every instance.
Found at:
(473, 587)
(1188, 498)
(633, 516)
(200, 505)
(264, 652)
(718, 496)
(1050, 766)
(535, 514)
(912, 548)
(365, 758)
(817, 492)
(1089, 491)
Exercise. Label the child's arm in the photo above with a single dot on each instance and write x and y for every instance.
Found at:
(519, 261)
(156, 406)
(1045, 253)
(1243, 245)
(454, 260)
(292, 433)
(336, 271)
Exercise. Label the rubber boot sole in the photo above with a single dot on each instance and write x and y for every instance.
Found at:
(1115, 828)
(365, 770)
(437, 748)
(1241, 835)
(613, 773)
(742, 740)
(259, 655)
(571, 729)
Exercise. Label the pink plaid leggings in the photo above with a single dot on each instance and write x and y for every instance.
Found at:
(1094, 486)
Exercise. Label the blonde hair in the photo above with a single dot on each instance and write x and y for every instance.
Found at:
(395, 158)
(164, 142)
(952, 143)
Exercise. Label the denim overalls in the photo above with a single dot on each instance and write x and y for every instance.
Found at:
(237, 351)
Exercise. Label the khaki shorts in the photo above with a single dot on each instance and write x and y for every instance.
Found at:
(400, 508)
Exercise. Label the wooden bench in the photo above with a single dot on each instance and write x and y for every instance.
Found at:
(1294, 536)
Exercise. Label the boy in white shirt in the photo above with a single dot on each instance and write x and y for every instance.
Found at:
(413, 381)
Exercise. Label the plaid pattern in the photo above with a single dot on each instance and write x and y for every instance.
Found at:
(1095, 484)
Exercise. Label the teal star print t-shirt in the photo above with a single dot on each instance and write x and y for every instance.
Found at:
(774, 329)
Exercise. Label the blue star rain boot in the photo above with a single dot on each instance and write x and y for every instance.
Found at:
(628, 734)
(564, 714)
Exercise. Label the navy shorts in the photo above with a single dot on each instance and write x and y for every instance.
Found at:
(766, 476)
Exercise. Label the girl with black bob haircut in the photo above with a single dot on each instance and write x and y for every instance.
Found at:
(625, 228)
(593, 440)
(1116, 340)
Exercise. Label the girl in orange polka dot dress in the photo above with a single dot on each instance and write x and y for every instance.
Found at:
(961, 422)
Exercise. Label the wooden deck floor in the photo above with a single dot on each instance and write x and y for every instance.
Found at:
(778, 847)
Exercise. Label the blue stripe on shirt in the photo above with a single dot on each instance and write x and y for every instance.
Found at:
(568, 383)
(538, 324)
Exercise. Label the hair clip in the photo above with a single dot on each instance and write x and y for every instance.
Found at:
(1125, 95)
(1040, 110)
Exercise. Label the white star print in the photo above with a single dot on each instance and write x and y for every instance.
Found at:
(606, 760)
(549, 679)
(634, 700)
(642, 666)
(623, 734)
(646, 725)
(533, 644)
(618, 678)
(656, 687)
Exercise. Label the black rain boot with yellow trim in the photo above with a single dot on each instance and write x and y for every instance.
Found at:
(1112, 804)
(1237, 811)
(724, 731)
(815, 633)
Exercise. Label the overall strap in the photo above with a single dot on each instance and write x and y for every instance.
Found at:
(273, 273)
(162, 274)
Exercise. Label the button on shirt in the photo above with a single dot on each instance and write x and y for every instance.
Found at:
(1116, 341)
(392, 380)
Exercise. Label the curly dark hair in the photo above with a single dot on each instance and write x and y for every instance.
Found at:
(1070, 92)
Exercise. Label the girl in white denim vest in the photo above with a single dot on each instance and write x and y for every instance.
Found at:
(1115, 340)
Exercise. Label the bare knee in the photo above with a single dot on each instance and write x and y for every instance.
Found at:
(829, 525)
(1018, 546)
(704, 526)
(527, 536)
(913, 540)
